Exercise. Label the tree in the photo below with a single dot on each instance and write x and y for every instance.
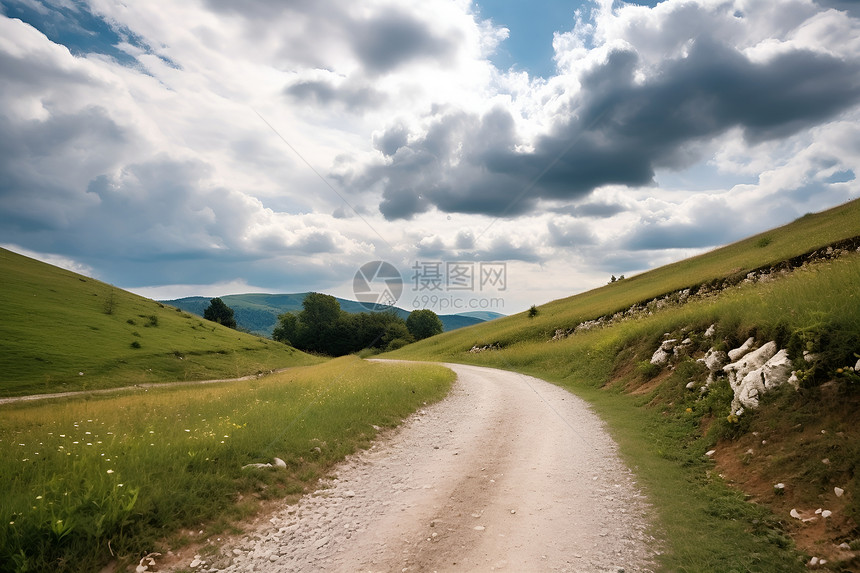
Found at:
(219, 312)
(319, 321)
(423, 323)
(287, 329)
(533, 311)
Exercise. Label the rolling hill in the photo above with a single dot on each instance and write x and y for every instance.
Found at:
(752, 489)
(258, 312)
(64, 331)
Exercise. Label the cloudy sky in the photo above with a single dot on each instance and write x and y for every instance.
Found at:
(212, 147)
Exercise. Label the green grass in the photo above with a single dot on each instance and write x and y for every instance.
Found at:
(84, 479)
(808, 233)
(62, 331)
(663, 430)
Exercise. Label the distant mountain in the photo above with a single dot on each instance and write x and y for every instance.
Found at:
(258, 312)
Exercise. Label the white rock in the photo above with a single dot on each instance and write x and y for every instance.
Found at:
(195, 563)
(838, 491)
(857, 366)
(691, 386)
(259, 466)
(794, 380)
(479, 528)
(660, 357)
(349, 493)
(826, 513)
(795, 514)
(742, 349)
(844, 545)
(709, 453)
(279, 463)
(712, 330)
(813, 561)
(757, 372)
(669, 344)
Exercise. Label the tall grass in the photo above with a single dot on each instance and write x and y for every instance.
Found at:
(87, 479)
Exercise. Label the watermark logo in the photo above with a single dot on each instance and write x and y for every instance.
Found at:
(447, 286)
(377, 285)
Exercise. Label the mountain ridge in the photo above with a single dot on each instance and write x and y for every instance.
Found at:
(258, 312)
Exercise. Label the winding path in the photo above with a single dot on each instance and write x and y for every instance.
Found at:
(507, 473)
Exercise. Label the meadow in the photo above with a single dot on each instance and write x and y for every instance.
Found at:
(93, 479)
(62, 331)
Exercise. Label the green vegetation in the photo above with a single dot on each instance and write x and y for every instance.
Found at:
(664, 429)
(423, 324)
(85, 479)
(62, 331)
(324, 328)
(219, 312)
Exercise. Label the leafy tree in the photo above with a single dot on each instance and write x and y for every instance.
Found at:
(287, 328)
(423, 323)
(533, 311)
(219, 312)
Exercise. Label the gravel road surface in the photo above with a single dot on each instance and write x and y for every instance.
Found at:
(508, 473)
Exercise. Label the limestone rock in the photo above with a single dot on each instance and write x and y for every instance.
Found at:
(714, 360)
(712, 330)
(757, 373)
(735, 354)
(661, 355)
(279, 463)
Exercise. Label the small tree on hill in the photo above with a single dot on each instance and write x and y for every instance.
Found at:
(219, 312)
(423, 323)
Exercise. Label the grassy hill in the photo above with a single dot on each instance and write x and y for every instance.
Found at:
(62, 331)
(718, 512)
(258, 312)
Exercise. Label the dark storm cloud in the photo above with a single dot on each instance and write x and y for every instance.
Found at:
(387, 41)
(325, 93)
(619, 132)
(596, 210)
(383, 41)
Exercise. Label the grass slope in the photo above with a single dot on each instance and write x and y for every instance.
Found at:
(664, 430)
(62, 331)
(806, 234)
(89, 479)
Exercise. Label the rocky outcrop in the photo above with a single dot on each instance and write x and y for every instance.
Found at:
(664, 353)
(755, 373)
(714, 360)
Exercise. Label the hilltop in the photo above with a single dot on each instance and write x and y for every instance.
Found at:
(767, 487)
(63, 331)
(258, 312)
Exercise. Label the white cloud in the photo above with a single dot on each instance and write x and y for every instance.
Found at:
(164, 173)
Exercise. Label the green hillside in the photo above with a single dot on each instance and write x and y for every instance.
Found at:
(258, 312)
(721, 511)
(62, 331)
(732, 263)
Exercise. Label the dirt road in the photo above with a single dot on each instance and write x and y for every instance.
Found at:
(508, 473)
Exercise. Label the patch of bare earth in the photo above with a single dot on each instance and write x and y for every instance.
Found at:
(807, 458)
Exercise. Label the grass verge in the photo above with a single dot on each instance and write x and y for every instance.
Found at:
(87, 479)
